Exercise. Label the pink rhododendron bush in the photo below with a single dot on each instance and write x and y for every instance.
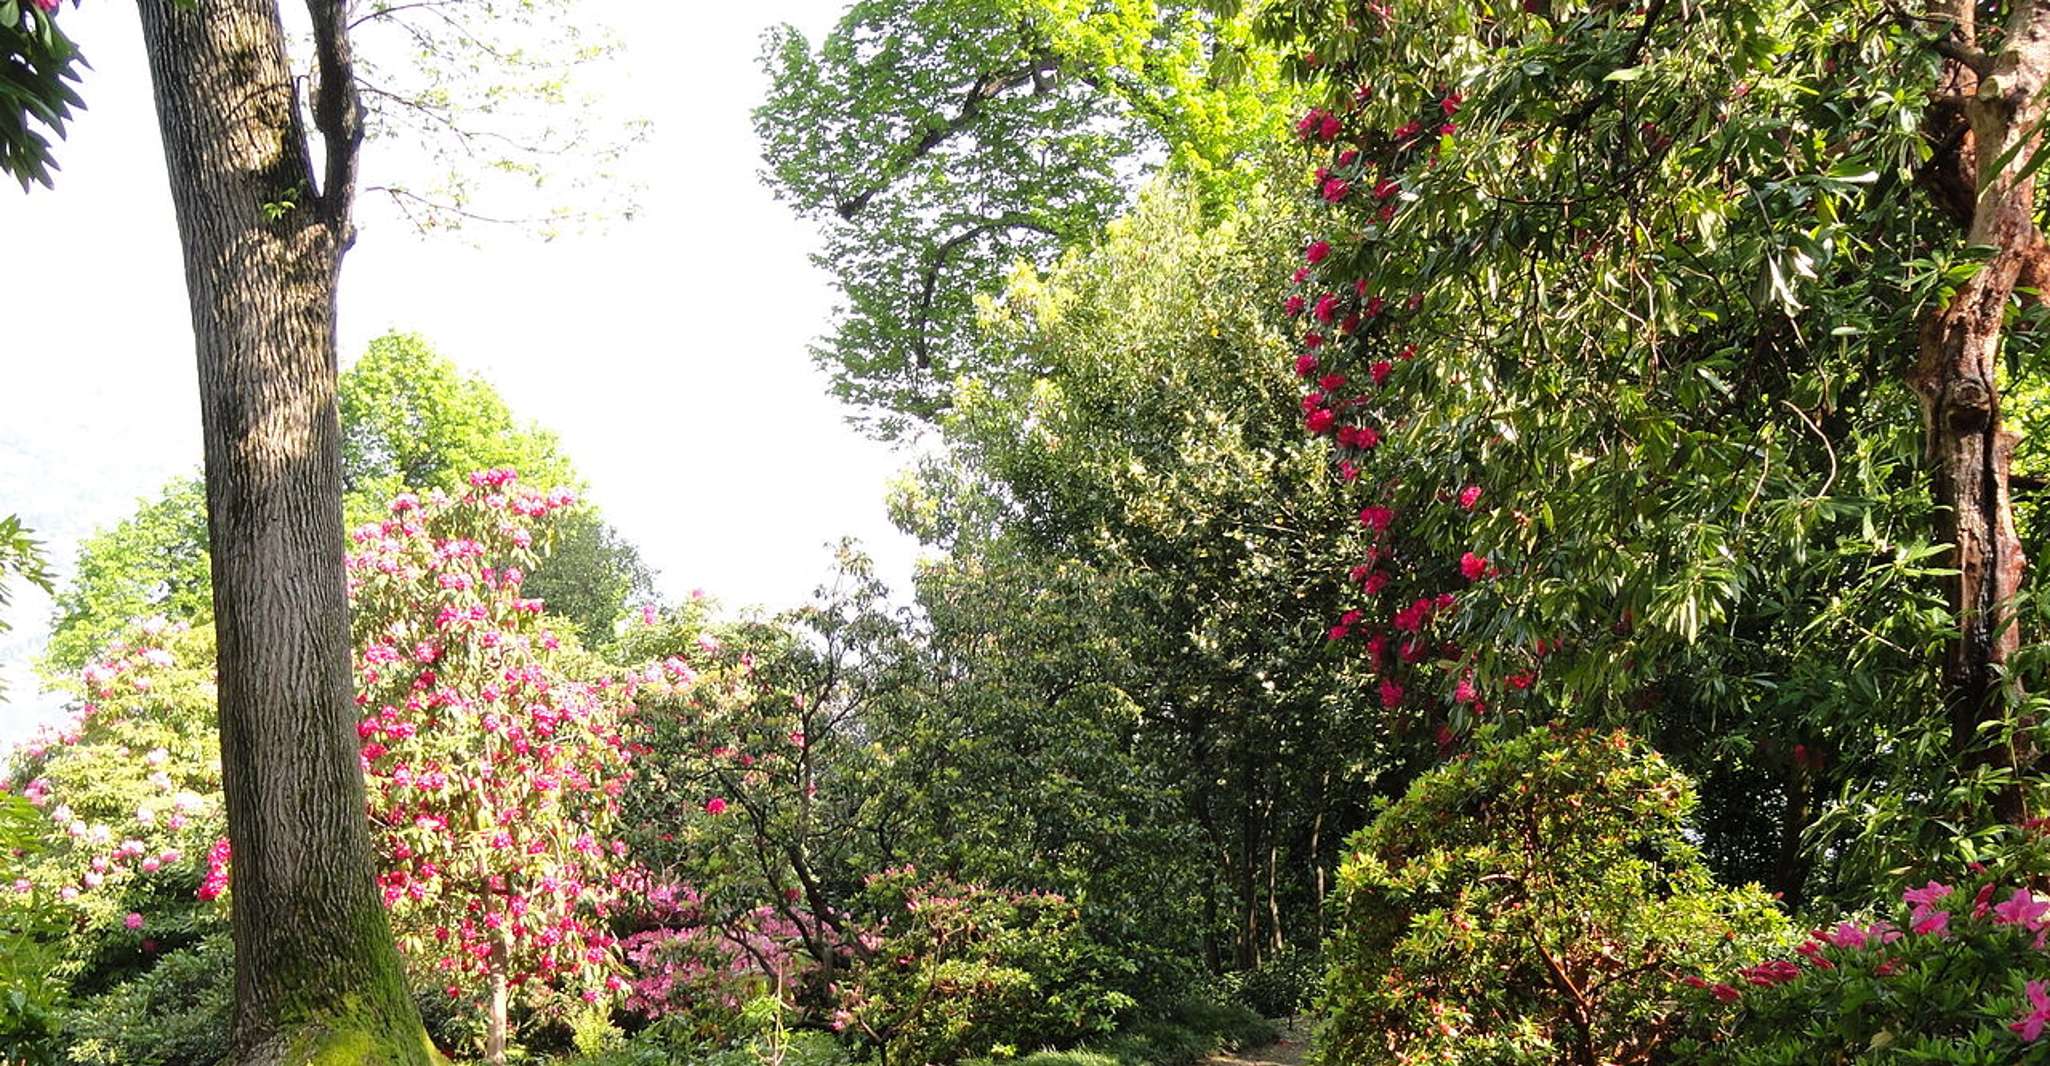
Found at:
(1953, 972)
(1535, 902)
(130, 786)
(492, 751)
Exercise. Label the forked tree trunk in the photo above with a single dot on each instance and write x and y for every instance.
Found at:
(1956, 372)
(316, 975)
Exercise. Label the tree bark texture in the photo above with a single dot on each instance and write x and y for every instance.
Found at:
(317, 977)
(1956, 378)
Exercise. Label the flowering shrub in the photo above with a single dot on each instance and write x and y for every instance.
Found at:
(955, 969)
(1955, 974)
(129, 785)
(1528, 904)
(494, 769)
(30, 931)
(695, 974)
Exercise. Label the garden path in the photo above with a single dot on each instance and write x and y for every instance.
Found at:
(1287, 1051)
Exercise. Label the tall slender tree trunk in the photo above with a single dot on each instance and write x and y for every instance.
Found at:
(498, 1022)
(1956, 371)
(316, 975)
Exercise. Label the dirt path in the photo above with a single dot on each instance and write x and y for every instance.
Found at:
(1288, 1051)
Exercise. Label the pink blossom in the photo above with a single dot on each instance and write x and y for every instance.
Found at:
(2030, 1025)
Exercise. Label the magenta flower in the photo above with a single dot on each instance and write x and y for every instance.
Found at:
(2022, 908)
(2030, 1025)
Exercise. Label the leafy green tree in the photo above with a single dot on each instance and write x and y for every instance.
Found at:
(152, 563)
(939, 141)
(1538, 902)
(410, 419)
(20, 556)
(1155, 538)
(1705, 498)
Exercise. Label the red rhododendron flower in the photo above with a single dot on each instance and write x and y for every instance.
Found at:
(1391, 694)
(1319, 421)
(1473, 566)
(1305, 365)
(1469, 496)
(1317, 251)
(1335, 189)
(1293, 305)
(1377, 518)
(1380, 371)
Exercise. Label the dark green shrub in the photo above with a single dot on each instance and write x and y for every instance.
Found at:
(32, 934)
(174, 1014)
(1282, 986)
(1226, 1026)
(1531, 904)
(1071, 1058)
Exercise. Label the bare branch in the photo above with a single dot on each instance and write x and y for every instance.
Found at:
(337, 113)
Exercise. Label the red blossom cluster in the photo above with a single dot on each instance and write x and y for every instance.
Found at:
(1352, 333)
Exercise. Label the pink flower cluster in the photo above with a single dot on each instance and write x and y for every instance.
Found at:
(1928, 918)
(494, 773)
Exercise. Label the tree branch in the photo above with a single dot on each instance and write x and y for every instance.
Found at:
(929, 281)
(987, 87)
(337, 113)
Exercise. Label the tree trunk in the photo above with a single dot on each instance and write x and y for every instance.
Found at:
(316, 975)
(1956, 377)
(501, 1000)
(1791, 863)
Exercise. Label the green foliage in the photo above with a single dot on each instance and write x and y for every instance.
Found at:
(1645, 277)
(32, 932)
(38, 67)
(960, 969)
(1944, 977)
(174, 1014)
(410, 420)
(939, 141)
(20, 556)
(1140, 542)
(1193, 1031)
(153, 563)
(1281, 986)
(1531, 904)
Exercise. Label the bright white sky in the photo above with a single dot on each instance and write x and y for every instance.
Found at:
(669, 354)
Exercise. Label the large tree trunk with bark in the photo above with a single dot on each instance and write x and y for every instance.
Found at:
(317, 977)
(1956, 370)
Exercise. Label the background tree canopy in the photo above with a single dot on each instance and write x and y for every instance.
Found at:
(410, 420)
